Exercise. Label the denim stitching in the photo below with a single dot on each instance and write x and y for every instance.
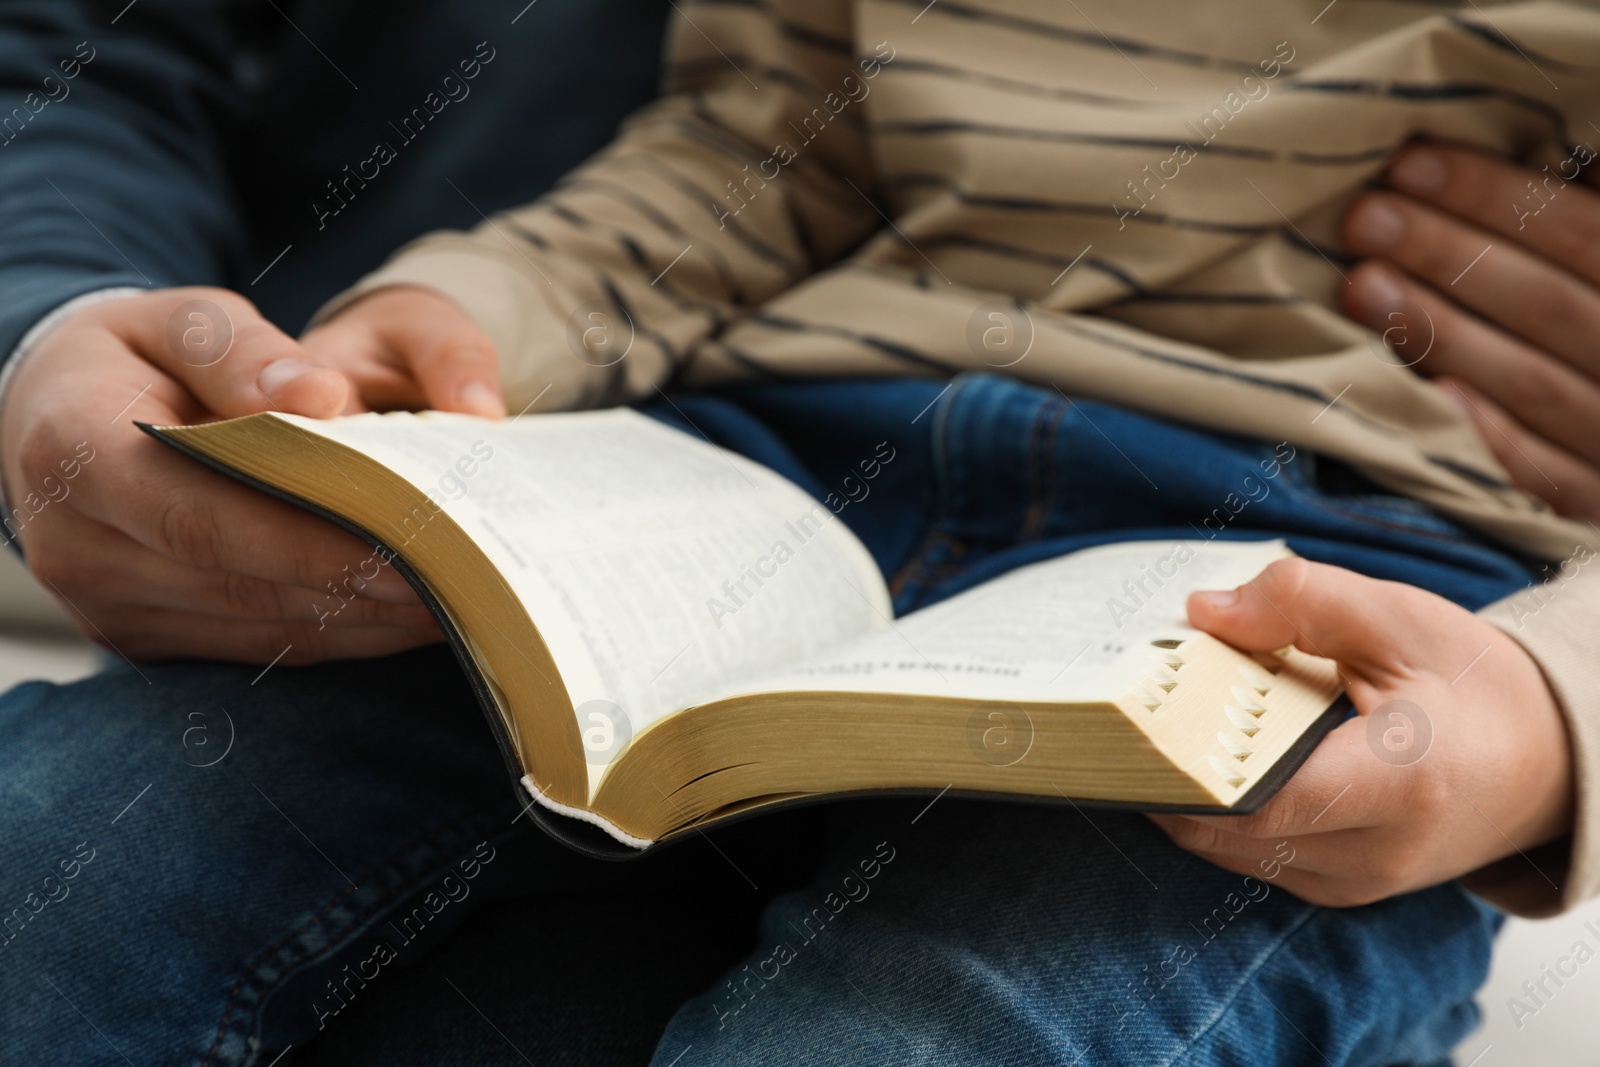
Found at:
(1330, 504)
(1032, 436)
(387, 864)
(1302, 474)
(1313, 912)
(1046, 430)
(910, 572)
(417, 846)
(1261, 962)
(921, 572)
(250, 972)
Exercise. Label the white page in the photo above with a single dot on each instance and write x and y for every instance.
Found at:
(1067, 629)
(622, 536)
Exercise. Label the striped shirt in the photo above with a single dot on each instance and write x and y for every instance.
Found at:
(1134, 201)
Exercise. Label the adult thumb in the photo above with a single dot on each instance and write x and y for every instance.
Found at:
(218, 346)
(1326, 611)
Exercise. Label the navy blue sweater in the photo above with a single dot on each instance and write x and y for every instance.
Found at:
(186, 142)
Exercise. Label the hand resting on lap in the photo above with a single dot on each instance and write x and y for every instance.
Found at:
(1459, 755)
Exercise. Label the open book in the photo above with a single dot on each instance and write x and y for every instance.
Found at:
(666, 634)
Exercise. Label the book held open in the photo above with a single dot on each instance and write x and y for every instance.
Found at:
(667, 635)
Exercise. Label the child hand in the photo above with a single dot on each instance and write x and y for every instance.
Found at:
(1459, 756)
(410, 347)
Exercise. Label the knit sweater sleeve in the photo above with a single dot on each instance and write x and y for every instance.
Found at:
(750, 174)
(1558, 624)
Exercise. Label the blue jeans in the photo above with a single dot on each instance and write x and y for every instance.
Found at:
(202, 864)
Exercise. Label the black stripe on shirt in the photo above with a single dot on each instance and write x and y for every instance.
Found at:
(1124, 46)
(933, 127)
(893, 349)
(732, 143)
(1472, 474)
(530, 235)
(685, 303)
(1072, 324)
(1107, 210)
(1051, 260)
(745, 359)
(691, 189)
(1023, 133)
(1437, 92)
(675, 358)
(592, 183)
(1499, 40)
(792, 30)
(693, 73)
(1137, 292)
(1306, 244)
(1305, 392)
(1013, 85)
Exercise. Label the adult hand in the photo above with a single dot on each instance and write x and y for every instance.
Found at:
(1467, 763)
(152, 554)
(1493, 271)
(410, 347)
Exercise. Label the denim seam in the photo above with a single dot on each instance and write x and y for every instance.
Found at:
(1042, 494)
(1402, 506)
(1330, 504)
(476, 825)
(933, 537)
(1312, 911)
(389, 863)
(417, 845)
(955, 562)
(921, 572)
(946, 458)
(1035, 475)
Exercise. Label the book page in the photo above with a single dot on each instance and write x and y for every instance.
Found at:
(1075, 629)
(657, 567)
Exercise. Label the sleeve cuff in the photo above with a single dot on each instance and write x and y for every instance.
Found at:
(514, 303)
(1558, 623)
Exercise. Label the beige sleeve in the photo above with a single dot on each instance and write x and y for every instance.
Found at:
(1558, 623)
(749, 175)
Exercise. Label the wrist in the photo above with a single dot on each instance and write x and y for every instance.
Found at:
(364, 300)
(24, 349)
